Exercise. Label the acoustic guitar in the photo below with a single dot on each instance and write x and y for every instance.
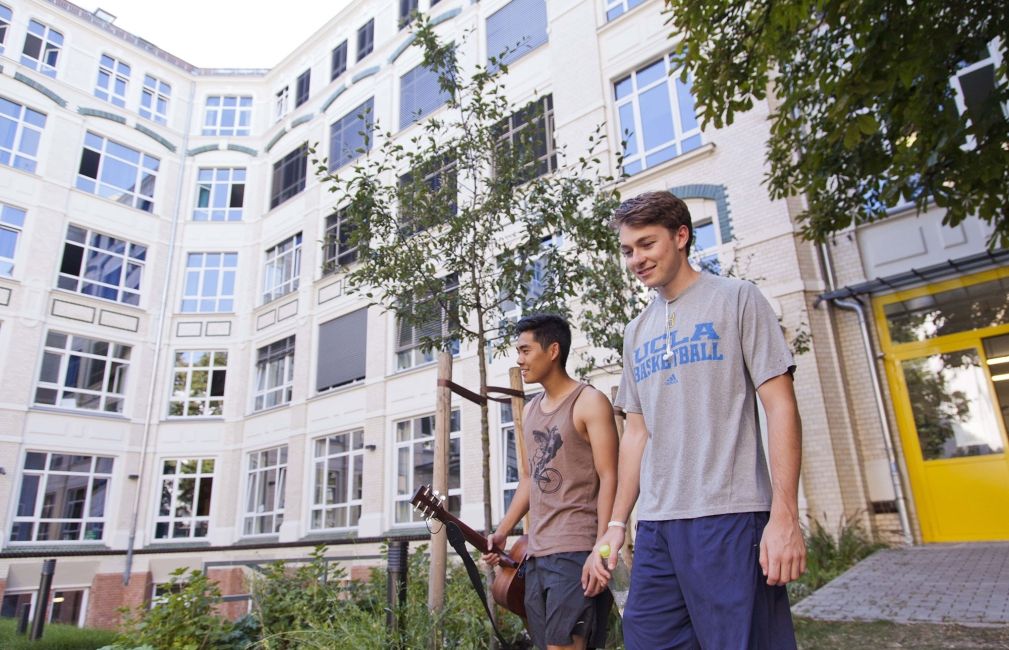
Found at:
(508, 588)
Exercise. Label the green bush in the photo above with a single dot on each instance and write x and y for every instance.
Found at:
(828, 555)
(54, 637)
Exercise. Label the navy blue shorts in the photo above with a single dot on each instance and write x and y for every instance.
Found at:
(697, 583)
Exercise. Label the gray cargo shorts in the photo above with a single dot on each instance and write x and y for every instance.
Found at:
(556, 606)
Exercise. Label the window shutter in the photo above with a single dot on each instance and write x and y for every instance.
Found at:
(519, 24)
(342, 347)
(420, 94)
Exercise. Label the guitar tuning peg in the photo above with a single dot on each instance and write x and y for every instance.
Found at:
(437, 494)
(443, 498)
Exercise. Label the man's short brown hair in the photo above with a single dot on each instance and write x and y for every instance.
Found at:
(655, 208)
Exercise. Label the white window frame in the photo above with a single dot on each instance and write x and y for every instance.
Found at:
(12, 221)
(684, 139)
(415, 354)
(616, 8)
(366, 38)
(95, 245)
(406, 439)
(260, 470)
(28, 126)
(274, 374)
(198, 525)
(282, 268)
(337, 252)
(190, 365)
(113, 80)
(205, 287)
(6, 16)
(51, 42)
(140, 194)
(217, 185)
(281, 103)
(217, 107)
(60, 356)
(38, 516)
(326, 512)
(507, 421)
(154, 98)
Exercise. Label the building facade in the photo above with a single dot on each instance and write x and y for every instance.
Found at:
(185, 375)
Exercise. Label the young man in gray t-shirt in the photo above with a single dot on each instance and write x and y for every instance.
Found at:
(718, 537)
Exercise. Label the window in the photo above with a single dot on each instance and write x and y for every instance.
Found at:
(210, 283)
(526, 140)
(438, 314)
(42, 48)
(289, 175)
(541, 279)
(102, 266)
(509, 456)
(184, 507)
(303, 86)
(274, 374)
(20, 132)
(427, 196)
(350, 136)
(657, 118)
(365, 39)
(82, 373)
(62, 498)
(227, 115)
(283, 268)
(616, 8)
(280, 103)
(407, 10)
(154, 98)
(707, 239)
(198, 383)
(338, 478)
(516, 29)
(338, 61)
(337, 250)
(343, 344)
(419, 94)
(415, 464)
(5, 22)
(975, 86)
(12, 220)
(117, 172)
(113, 77)
(264, 502)
(220, 194)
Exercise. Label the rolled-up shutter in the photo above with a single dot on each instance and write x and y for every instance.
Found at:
(519, 24)
(342, 350)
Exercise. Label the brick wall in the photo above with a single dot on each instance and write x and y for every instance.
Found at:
(108, 594)
(231, 582)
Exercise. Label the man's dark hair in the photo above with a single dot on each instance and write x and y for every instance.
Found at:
(547, 329)
(655, 208)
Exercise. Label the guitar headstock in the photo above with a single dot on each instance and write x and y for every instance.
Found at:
(429, 503)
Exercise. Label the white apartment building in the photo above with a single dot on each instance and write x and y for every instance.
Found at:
(179, 366)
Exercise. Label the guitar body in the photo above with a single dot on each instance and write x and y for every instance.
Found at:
(509, 586)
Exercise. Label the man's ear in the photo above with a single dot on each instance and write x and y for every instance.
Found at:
(554, 350)
(682, 237)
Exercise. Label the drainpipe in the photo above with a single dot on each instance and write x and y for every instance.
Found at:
(877, 391)
(159, 341)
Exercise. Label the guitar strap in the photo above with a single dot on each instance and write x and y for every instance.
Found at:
(458, 542)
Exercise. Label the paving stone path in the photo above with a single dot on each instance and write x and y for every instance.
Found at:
(937, 583)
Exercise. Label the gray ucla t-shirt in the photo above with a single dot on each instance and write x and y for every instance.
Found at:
(704, 454)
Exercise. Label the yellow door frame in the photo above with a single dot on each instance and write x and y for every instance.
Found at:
(895, 353)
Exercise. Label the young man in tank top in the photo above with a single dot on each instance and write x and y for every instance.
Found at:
(571, 443)
(717, 537)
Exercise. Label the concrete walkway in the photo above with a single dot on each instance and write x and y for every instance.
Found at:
(938, 583)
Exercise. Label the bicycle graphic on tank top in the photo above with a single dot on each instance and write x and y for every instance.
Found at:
(547, 479)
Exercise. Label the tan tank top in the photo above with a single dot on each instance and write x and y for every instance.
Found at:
(564, 484)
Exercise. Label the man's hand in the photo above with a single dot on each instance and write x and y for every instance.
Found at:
(614, 536)
(494, 539)
(590, 583)
(782, 550)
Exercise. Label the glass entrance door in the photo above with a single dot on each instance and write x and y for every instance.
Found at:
(947, 354)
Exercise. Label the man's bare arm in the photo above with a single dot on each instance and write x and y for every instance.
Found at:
(632, 448)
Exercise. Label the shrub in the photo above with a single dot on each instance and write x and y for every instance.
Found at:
(828, 556)
(54, 637)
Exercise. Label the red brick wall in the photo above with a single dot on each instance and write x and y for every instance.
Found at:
(3, 587)
(108, 594)
(231, 581)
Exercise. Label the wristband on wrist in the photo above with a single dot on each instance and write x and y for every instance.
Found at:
(616, 523)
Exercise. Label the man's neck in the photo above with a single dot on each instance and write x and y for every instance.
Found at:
(557, 384)
(684, 277)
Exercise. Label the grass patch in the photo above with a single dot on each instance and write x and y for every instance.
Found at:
(54, 637)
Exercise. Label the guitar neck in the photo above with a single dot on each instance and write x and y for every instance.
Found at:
(476, 539)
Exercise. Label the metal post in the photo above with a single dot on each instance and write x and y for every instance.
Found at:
(23, 617)
(398, 568)
(42, 602)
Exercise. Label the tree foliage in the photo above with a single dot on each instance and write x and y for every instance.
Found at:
(471, 216)
(864, 113)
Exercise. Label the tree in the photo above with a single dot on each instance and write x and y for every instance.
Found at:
(864, 113)
(473, 218)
